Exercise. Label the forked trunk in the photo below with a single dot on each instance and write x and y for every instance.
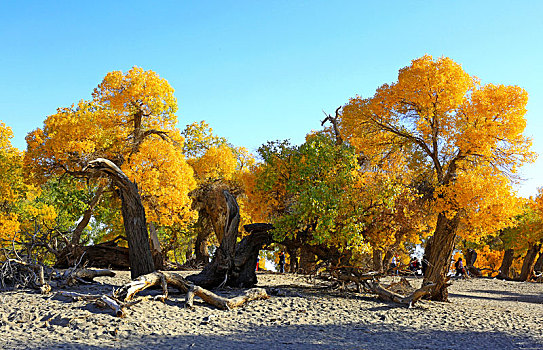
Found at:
(439, 256)
(233, 264)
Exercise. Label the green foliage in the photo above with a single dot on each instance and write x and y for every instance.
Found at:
(308, 187)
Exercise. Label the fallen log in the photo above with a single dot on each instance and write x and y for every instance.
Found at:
(102, 301)
(390, 296)
(165, 279)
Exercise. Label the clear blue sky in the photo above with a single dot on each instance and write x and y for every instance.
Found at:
(260, 70)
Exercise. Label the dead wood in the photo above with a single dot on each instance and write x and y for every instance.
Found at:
(165, 279)
(17, 274)
(106, 254)
(101, 301)
(390, 296)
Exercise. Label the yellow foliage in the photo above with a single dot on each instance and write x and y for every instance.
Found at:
(488, 259)
(439, 124)
(164, 179)
(216, 163)
(130, 120)
(12, 189)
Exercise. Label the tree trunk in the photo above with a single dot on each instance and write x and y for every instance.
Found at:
(439, 256)
(234, 265)
(156, 250)
(527, 270)
(505, 267)
(76, 235)
(200, 246)
(216, 272)
(243, 273)
(539, 263)
(307, 260)
(386, 260)
(135, 224)
(377, 260)
(293, 259)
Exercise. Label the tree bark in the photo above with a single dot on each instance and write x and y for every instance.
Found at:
(293, 259)
(505, 267)
(439, 256)
(156, 249)
(527, 270)
(200, 246)
(135, 224)
(539, 263)
(377, 260)
(216, 272)
(307, 260)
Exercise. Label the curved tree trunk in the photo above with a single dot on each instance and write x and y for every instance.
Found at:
(71, 253)
(135, 224)
(243, 273)
(439, 254)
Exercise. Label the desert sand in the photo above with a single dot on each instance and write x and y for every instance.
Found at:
(300, 314)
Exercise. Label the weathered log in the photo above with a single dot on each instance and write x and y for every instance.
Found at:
(388, 295)
(106, 254)
(101, 300)
(135, 224)
(88, 275)
(165, 279)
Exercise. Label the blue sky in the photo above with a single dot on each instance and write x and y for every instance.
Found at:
(260, 70)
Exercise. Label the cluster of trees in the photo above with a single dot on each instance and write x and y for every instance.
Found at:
(428, 160)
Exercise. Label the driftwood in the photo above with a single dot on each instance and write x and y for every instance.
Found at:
(101, 301)
(165, 279)
(16, 273)
(106, 254)
(385, 294)
(399, 292)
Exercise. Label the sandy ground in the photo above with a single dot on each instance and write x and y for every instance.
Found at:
(482, 314)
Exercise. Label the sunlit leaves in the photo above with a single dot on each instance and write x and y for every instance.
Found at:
(130, 120)
(440, 125)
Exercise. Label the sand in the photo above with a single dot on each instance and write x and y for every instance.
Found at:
(481, 314)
